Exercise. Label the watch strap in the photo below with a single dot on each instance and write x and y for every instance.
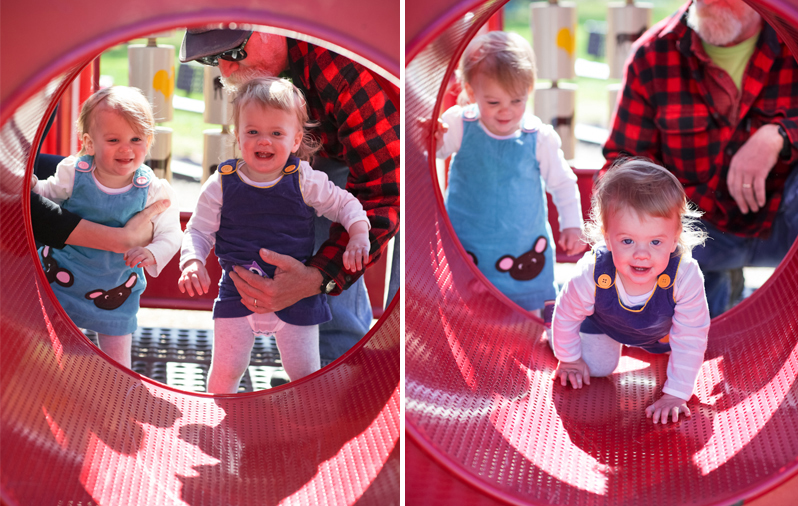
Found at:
(786, 147)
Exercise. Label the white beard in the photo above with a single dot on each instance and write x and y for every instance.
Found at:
(715, 25)
(242, 76)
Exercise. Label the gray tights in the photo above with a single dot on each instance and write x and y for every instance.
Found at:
(600, 352)
(117, 347)
(233, 339)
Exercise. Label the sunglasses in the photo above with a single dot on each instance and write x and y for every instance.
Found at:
(235, 54)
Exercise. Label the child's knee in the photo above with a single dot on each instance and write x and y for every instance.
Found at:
(602, 369)
(601, 353)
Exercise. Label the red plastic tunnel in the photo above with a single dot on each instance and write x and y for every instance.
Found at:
(484, 422)
(77, 429)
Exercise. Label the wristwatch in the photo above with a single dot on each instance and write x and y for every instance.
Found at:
(786, 147)
(327, 283)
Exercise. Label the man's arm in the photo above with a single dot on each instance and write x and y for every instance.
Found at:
(368, 130)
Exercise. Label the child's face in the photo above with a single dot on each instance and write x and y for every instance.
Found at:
(641, 246)
(501, 111)
(267, 137)
(117, 148)
(267, 56)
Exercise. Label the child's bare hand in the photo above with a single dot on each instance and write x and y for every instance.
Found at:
(570, 241)
(440, 131)
(667, 405)
(576, 372)
(139, 257)
(357, 252)
(194, 277)
(436, 129)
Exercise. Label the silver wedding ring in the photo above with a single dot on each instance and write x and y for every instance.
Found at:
(256, 302)
(746, 185)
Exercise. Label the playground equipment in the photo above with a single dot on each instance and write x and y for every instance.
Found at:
(77, 429)
(151, 69)
(484, 422)
(554, 44)
(218, 145)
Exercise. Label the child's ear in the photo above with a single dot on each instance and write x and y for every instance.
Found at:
(297, 141)
(470, 92)
(606, 240)
(88, 145)
(677, 236)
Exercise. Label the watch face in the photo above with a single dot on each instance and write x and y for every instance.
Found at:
(329, 286)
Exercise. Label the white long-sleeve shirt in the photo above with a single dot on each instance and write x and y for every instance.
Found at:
(554, 169)
(166, 234)
(688, 334)
(318, 191)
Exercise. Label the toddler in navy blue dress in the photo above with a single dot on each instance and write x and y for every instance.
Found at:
(505, 160)
(107, 183)
(638, 287)
(268, 200)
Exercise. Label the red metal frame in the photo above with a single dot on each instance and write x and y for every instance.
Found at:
(76, 427)
(484, 422)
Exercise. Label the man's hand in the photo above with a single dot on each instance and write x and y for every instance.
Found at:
(570, 241)
(666, 405)
(750, 166)
(194, 277)
(139, 257)
(576, 372)
(292, 282)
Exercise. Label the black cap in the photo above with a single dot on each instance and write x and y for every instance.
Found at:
(200, 42)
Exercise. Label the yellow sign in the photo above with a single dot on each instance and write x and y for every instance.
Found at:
(164, 82)
(566, 40)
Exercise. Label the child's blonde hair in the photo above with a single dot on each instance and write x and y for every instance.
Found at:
(278, 94)
(647, 188)
(129, 102)
(504, 56)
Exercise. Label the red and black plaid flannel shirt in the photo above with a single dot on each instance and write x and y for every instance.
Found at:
(359, 126)
(665, 112)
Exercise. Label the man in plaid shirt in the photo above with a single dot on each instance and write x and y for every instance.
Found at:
(711, 93)
(359, 131)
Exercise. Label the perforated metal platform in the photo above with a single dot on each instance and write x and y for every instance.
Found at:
(181, 358)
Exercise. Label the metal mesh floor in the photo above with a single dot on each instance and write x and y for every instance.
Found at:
(180, 358)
